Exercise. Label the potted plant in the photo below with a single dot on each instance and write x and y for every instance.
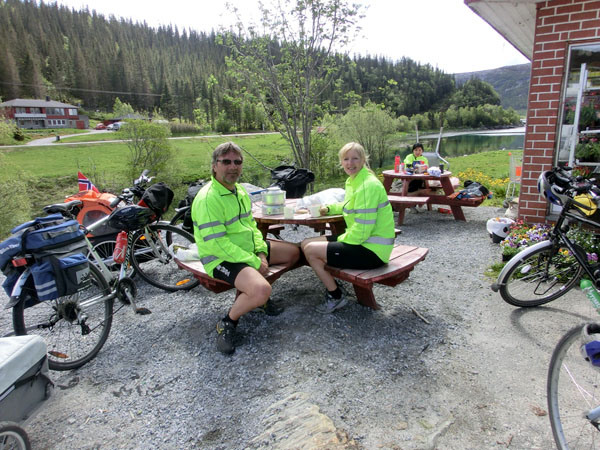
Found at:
(588, 149)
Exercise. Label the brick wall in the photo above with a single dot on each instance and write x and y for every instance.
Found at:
(558, 24)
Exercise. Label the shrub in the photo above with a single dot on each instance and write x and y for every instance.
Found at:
(178, 128)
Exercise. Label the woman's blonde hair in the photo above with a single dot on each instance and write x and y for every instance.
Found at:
(358, 149)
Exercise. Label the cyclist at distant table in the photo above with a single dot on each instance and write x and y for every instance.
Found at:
(417, 155)
(231, 247)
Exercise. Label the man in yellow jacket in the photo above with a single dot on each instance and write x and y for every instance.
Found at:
(230, 245)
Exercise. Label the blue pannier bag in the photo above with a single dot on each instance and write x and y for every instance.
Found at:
(49, 234)
(8, 249)
(46, 238)
(59, 276)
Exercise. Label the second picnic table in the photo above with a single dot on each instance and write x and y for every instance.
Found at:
(403, 201)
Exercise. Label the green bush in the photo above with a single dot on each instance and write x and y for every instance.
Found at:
(184, 129)
(18, 135)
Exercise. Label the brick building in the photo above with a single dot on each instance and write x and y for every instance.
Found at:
(32, 113)
(562, 40)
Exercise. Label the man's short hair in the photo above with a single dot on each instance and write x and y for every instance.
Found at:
(223, 149)
(417, 145)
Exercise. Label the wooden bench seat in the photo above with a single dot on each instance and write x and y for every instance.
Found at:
(400, 203)
(407, 200)
(217, 286)
(402, 261)
(276, 229)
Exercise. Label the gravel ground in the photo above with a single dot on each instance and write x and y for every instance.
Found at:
(469, 374)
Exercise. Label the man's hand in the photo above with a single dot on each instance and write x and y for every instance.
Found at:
(264, 265)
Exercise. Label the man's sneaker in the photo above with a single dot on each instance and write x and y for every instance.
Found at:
(331, 304)
(270, 308)
(225, 336)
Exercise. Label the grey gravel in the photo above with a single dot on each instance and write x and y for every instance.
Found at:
(471, 377)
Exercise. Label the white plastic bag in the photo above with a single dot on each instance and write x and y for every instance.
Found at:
(326, 197)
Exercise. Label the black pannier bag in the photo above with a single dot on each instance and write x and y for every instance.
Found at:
(57, 246)
(158, 198)
(292, 180)
(193, 189)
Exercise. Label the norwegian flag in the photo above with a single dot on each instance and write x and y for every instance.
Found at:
(85, 184)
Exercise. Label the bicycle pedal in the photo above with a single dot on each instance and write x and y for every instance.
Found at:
(143, 311)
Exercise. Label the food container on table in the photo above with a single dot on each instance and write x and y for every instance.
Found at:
(273, 196)
(271, 210)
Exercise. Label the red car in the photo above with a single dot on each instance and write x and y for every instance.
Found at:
(100, 126)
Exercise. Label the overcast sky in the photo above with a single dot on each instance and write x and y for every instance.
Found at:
(443, 33)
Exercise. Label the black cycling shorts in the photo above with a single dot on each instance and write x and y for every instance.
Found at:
(348, 256)
(228, 271)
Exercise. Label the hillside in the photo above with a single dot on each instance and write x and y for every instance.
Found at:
(511, 83)
(85, 58)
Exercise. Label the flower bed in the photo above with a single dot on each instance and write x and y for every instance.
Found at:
(523, 235)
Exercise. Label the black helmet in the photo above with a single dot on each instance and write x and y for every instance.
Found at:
(130, 218)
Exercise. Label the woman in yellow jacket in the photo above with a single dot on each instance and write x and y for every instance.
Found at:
(369, 237)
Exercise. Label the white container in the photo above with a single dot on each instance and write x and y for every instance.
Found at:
(288, 212)
(315, 210)
(272, 210)
(273, 196)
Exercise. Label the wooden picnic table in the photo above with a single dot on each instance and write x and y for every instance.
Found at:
(402, 261)
(403, 201)
(335, 223)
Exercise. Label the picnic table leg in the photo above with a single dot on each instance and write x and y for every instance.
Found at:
(457, 211)
(263, 228)
(387, 183)
(365, 296)
(401, 211)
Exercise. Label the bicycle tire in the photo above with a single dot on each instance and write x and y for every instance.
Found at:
(104, 248)
(12, 436)
(71, 341)
(156, 265)
(529, 284)
(178, 221)
(573, 389)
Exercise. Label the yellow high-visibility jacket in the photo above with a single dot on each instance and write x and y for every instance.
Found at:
(368, 215)
(224, 229)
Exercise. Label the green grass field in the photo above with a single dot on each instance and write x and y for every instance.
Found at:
(53, 169)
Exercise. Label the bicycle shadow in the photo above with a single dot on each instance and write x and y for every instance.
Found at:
(519, 316)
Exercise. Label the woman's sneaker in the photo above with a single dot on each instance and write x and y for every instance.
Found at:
(331, 304)
(225, 337)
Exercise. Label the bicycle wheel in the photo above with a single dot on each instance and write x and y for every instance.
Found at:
(573, 391)
(183, 220)
(13, 437)
(153, 260)
(105, 248)
(540, 278)
(75, 327)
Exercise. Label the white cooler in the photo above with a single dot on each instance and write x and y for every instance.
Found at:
(24, 381)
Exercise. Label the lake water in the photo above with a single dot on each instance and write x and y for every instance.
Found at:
(459, 144)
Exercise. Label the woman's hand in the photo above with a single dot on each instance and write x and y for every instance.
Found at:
(324, 210)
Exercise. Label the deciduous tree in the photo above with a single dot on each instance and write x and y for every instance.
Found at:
(289, 61)
(371, 127)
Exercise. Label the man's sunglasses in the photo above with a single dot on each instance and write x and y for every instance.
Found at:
(237, 162)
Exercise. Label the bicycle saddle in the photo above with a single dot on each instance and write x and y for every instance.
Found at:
(62, 207)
